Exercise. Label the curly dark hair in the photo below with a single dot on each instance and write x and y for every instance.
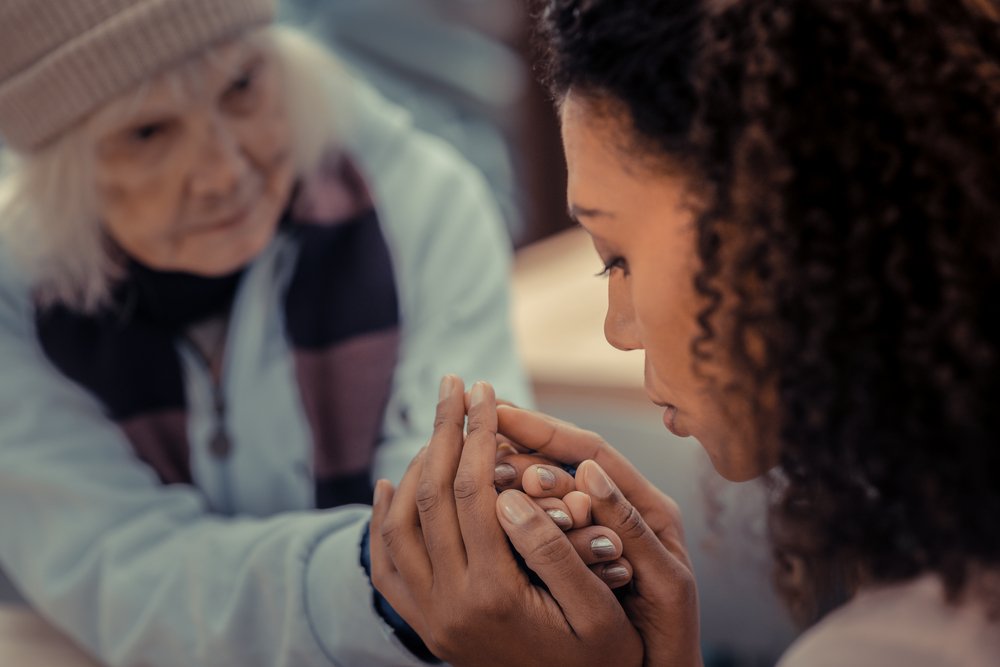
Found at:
(848, 154)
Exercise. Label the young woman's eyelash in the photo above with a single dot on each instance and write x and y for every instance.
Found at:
(614, 263)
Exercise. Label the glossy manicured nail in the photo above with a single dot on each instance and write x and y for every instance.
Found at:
(478, 394)
(516, 507)
(598, 483)
(561, 519)
(545, 478)
(615, 573)
(504, 474)
(447, 387)
(602, 547)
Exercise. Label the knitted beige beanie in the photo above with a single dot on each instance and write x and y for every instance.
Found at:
(62, 59)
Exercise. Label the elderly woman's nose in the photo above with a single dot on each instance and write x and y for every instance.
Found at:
(220, 165)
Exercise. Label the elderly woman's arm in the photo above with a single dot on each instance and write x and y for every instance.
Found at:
(451, 253)
(139, 573)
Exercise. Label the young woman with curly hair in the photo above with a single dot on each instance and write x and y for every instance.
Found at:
(796, 202)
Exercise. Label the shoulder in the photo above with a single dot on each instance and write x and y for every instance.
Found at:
(421, 183)
(15, 284)
(904, 624)
(443, 227)
(15, 289)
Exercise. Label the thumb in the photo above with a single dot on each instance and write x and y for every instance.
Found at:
(611, 509)
(581, 595)
(664, 605)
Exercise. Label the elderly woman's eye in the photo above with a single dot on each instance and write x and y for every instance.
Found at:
(148, 132)
(241, 85)
(240, 96)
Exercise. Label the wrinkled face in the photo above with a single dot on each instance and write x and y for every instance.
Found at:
(194, 168)
(645, 236)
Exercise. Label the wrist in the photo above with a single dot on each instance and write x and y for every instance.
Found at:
(407, 636)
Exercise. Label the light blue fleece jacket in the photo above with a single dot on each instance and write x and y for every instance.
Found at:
(240, 570)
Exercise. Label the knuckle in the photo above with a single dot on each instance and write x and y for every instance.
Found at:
(449, 635)
(553, 549)
(478, 422)
(390, 535)
(466, 487)
(427, 497)
(598, 442)
(672, 509)
(686, 585)
(630, 523)
(682, 591)
(442, 422)
(483, 604)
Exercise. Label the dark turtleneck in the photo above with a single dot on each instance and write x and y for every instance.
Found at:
(175, 300)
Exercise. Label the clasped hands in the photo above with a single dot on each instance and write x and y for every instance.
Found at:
(441, 557)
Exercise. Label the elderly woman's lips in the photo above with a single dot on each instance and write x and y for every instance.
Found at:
(224, 223)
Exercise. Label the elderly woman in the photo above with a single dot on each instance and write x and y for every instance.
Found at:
(796, 205)
(231, 276)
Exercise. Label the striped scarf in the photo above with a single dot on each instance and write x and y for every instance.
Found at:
(341, 318)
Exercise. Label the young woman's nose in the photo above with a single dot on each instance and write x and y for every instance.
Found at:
(620, 328)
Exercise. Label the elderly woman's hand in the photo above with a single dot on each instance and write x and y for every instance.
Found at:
(663, 601)
(554, 491)
(440, 557)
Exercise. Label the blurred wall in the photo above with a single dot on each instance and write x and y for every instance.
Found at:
(462, 68)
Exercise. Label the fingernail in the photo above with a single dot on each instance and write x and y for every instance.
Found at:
(602, 547)
(545, 477)
(478, 394)
(504, 474)
(598, 483)
(378, 493)
(615, 572)
(561, 519)
(516, 507)
(447, 386)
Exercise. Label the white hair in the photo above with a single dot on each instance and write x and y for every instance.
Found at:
(50, 228)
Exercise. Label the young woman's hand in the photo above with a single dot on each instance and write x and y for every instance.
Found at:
(568, 508)
(663, 600)
(440, 557)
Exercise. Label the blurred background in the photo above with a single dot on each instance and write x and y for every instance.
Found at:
(463, 70)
